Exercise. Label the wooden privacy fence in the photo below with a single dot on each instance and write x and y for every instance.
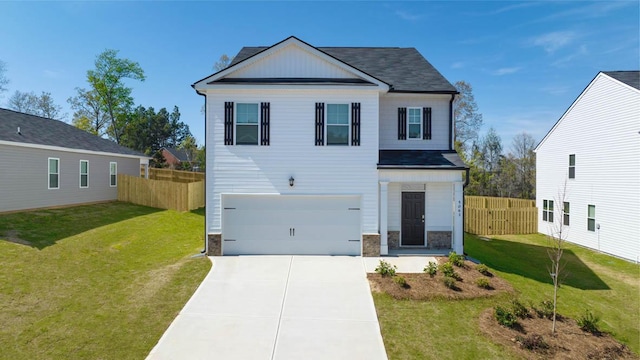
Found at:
(173, 175)
(499, 216)
(180, 196)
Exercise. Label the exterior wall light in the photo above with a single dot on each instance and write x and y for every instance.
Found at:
(291, 180)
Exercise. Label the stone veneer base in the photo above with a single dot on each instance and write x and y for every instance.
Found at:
(214, 244)
(370, 245)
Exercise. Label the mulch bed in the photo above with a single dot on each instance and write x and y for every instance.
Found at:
(424, 287)
(569, 342)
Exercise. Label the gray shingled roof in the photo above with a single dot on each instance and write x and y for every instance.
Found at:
(631, 78)
(43, 131)
(180, 154)
(404, 69)
(420, 159)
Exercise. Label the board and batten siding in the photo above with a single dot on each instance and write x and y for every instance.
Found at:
(602, 130)
(317, 170)
(24, 178)
(389, 104)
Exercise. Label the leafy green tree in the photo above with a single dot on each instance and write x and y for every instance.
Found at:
(467, 118)
(39, 105)
(106, 83)
(89, 112)
(149, 131)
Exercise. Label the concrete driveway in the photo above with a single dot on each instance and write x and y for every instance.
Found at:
(277, 307)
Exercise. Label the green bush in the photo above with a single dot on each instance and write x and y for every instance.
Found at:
(431, 269)
(589, 322)
(505, 317)
(545, 310)
(450, 282)
(519, 310)
(455, 259)
(483, 269)
(448, 271)
(532, 342)
(386, 269)
(401, 281)
(483, 283)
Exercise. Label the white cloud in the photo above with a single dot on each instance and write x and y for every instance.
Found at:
(553, 41)
(407, 16)
(582, 50)
(506, 71)
(51, 74)
(555, 89)
(457, 65)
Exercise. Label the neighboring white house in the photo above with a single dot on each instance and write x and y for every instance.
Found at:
(595, 150)
(47, 163)
(330, 150)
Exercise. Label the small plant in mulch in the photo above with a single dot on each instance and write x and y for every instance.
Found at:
(532, 342)
(455, 259)
(450, 283)
(448, 271)
(386, 269)
(589, 322)
(484, 270)
(505, 317)
(401, 281)
(544, 310)
(431, 269)
(519, 310)
(610, 352)
(483, 283)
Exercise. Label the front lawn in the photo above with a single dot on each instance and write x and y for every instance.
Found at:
(95, 282)
(445, 329)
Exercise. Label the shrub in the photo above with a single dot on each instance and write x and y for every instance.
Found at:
(545, 310)
(519, 310)
(589, 322)
(450, 282)
(483, 269)
(532, 342)
(448, 271)
(455, 259)
(431, 268)
(401, 281)
(483, 283)
(505, 317)
(386, 269)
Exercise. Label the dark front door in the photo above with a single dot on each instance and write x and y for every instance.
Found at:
(412, 219)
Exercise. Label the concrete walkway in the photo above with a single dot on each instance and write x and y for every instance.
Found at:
(278, 308)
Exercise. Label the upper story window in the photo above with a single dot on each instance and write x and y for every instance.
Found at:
(113, 174)
(591, 217)
(572, 166)
(54, 173)
(337, 124)
(250, 124)
(416, 122)
(84, 173)
(341, 124)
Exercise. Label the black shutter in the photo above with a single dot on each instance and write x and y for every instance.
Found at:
(355, 124)
(228, 123)
(319, 124)
(402, 123)
(426, 123)
(265, 114)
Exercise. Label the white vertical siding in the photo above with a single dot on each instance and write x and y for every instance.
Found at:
(389, 104)
(291, 62)
(292, 152)
(602, 130)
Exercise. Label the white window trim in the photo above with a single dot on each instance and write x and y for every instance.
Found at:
(80, 174)
(419, 122)
(49, 173)
(326, 125)
(572, 166)
(116, 174)
(595, 225)
(235, 124)
(567, 214)
(548, 211)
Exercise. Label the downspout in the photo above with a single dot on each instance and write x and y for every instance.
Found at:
(466, 182)
(453, 97)
(206, 243)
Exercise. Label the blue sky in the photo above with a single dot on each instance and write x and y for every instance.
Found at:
(527, 61)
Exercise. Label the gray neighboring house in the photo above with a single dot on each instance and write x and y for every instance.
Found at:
(47, 163)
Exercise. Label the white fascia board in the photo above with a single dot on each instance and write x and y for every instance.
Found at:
(79, 151)
(203, 84)
(287, 87)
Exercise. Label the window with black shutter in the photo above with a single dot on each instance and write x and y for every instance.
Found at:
(402, 123)
(355, 124)
(426, 123)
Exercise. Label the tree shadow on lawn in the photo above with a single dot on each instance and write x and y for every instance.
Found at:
(42, 228)
(198, 211)
(532, 261)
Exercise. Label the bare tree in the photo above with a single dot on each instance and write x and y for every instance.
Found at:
(40, 105)
(89, 113)
(522, 147)
(557, 242)
(468, 120)
(222, 63)
(3, 78)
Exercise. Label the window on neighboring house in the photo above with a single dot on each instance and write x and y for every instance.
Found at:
(337, 124)
(414, 123)
(113, 174)
(247, 116)
(565, 213)
(572, 166)
(84, 173)
(54, 173)
(547, 210)
(591, 217)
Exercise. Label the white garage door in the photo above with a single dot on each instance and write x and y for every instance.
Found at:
(291, 225)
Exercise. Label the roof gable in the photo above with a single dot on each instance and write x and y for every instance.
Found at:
(631, 78)
(36, 130)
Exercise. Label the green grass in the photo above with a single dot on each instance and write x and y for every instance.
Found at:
(95, 282)
(444, 329)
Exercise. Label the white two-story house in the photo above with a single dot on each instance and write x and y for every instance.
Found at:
(330, 150)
